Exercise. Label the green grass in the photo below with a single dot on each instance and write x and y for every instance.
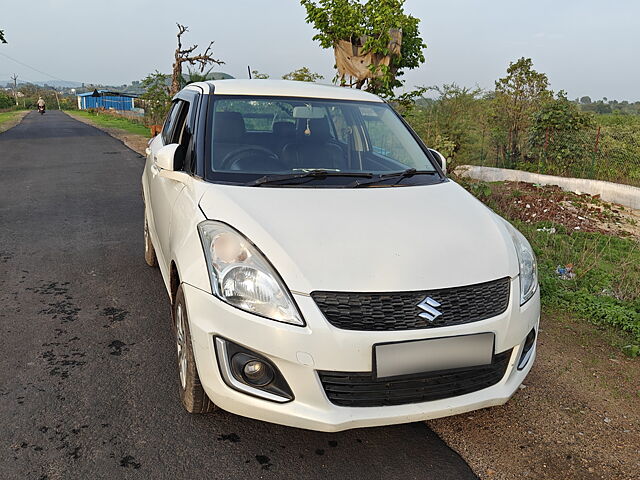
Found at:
(606, 288)
(109, 121)
(7, 116)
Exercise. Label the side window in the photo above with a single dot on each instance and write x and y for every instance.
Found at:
(180, 133)
(170, 122)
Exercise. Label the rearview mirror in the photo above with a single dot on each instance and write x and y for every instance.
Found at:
(308, 112)
(165, 158)
(440, 159)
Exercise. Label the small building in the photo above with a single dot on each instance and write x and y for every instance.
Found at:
(107, 100)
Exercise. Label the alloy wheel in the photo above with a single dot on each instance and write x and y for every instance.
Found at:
(181, 345)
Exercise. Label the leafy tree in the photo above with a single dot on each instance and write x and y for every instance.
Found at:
(157, 97)
(560, 136)
(260, 76)
(518, 95)
(194, 76)
(602, 107)
(585, 100)
(454, 124)
(2, 40)
(353, 20)
(303, 75)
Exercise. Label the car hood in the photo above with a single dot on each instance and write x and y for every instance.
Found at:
(369, 239)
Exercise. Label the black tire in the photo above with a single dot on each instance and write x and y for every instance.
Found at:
(149, 251)
(193, 397)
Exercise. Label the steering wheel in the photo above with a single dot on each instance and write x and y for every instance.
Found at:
(265, 156)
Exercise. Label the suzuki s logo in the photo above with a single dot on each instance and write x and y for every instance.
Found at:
(429, 306)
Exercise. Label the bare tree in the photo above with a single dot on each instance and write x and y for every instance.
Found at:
(185, 56)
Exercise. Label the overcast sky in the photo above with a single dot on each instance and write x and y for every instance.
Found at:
(586, 47)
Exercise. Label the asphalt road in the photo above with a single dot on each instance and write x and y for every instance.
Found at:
(88, 381)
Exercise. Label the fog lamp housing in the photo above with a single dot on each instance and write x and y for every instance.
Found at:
(251, 373)
(527, 349)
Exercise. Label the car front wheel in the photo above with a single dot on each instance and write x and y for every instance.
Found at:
(194, 399)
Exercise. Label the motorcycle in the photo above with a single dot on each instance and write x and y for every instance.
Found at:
(41, 109)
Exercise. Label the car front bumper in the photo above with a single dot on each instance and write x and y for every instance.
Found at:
(299, 352)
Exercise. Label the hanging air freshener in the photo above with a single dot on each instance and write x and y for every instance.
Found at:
(307, 131)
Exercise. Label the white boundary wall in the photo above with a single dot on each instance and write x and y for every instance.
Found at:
(610, 192)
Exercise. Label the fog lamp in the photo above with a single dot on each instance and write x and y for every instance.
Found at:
(257, 373)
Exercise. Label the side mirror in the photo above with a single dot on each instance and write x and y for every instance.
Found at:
(440, 159)
(165, 158)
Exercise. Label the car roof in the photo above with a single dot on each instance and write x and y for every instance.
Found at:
(282, 88)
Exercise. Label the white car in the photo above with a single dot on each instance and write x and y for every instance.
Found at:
(324, 272)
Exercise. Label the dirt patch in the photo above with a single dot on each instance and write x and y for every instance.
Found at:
(531, 203)
(4, 126)
(137, 143)
(576, 417)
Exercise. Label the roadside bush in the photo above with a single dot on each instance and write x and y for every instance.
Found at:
(6, 101)
(619, 153)
(453, 123)
(559, 138)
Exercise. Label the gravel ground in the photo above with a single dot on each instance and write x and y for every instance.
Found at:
(587, 213)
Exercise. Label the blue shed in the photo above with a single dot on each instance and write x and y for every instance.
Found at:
(106, 99)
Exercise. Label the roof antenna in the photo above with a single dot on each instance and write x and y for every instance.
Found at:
(249, 70)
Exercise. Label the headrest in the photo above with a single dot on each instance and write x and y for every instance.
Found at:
(284, 129)
(319, 128)
(228, 127)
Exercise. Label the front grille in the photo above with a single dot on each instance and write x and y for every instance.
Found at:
(363, 390)
(400, 311)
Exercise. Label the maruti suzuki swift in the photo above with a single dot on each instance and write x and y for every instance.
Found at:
(323, 271)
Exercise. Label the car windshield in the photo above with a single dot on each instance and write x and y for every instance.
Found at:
(312, 142)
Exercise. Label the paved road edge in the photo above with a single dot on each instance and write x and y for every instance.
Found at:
(13, 122)
(134, 142)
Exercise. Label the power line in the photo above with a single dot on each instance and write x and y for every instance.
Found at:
(25, 79)
(32, 68)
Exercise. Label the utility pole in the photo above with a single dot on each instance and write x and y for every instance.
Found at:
(14, 77)
(57, 99)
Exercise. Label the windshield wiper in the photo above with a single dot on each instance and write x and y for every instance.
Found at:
(311, 174)
(409, 172)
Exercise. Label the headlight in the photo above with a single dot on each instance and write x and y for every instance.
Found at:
(527, 263)
(241, 276)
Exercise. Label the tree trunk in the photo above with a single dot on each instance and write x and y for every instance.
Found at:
(176, 76)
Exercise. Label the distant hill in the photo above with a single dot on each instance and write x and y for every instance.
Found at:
(134, 88)
(50, 83)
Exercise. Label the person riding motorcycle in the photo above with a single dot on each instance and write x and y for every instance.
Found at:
(40, 104)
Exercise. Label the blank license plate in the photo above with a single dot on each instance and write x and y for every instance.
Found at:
(404, 358)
